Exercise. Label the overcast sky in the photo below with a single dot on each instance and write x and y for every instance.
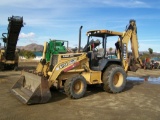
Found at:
(61, 19)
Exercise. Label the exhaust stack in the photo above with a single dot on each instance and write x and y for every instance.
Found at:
(79, 46)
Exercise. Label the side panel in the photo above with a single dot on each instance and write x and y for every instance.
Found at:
(63, 63)
(93, 77)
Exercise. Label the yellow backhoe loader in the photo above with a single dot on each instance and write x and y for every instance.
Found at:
(74, 71)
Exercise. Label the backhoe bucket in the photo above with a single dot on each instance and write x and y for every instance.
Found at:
(31, 89)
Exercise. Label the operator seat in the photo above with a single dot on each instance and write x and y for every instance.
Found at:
(100, 52)
(91, 45)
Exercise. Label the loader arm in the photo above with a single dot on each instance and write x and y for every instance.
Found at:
(40, 65)
(66, 66)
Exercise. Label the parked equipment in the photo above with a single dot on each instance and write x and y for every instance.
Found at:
(53, 47)
(9, 55)
(75, 70)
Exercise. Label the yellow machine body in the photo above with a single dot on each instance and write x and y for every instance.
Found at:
(74, 71)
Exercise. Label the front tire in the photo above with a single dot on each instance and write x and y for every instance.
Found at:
(114, 79)
(75, 87)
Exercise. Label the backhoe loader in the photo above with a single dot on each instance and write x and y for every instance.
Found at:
(74, 71)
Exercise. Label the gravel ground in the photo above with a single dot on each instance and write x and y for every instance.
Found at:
(139, 101)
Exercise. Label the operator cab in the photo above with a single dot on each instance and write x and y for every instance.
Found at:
(97, 51)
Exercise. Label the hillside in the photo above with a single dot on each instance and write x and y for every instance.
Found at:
(36, 47)
(31, 47)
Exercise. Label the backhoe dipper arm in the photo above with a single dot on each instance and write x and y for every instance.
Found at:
(122, 51)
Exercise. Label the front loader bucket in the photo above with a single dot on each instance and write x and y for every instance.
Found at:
(31, 89)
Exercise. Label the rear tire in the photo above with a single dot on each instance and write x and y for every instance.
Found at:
(75, 87)
(114, 79)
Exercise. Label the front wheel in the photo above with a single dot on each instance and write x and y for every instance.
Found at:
(114, 79)
(75, 87)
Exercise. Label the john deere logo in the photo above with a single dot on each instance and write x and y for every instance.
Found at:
(63, 65)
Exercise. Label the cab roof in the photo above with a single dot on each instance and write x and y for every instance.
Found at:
(101, 33)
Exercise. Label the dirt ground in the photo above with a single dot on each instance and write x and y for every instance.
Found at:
(139, 101)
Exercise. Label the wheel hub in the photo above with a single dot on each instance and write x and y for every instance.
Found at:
(118, 79)
(78, 87)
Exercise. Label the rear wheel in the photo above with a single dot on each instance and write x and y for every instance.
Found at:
(75, 87)
(114, 79)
